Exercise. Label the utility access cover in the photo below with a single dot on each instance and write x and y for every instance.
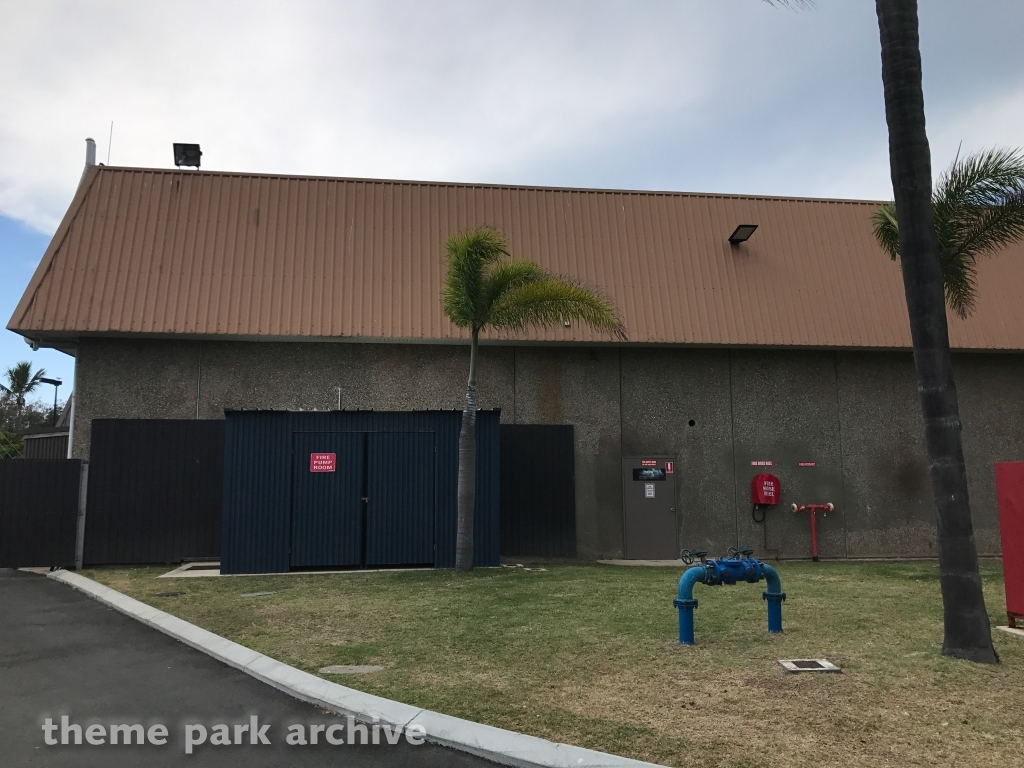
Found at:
(808, 665)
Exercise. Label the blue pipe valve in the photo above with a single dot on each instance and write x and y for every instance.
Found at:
(738, 565)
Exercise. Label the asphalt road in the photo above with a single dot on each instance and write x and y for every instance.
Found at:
(64, 654)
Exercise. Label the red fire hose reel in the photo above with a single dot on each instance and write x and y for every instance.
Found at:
(813, 509)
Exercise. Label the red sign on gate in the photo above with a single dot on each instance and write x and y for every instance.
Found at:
(322, 462)
(670, 467)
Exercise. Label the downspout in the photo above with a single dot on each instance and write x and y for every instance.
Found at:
(90, 161)
(71, 418)
(199, 379)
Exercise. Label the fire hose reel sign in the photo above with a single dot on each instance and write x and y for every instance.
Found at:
(648, 490)
(323, 462)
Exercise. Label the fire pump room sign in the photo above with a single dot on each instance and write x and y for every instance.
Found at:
(323, 462)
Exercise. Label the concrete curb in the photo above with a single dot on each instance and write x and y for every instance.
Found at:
(497, 744)
(1012, 631)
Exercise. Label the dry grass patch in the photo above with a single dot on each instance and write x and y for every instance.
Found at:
(587, 654)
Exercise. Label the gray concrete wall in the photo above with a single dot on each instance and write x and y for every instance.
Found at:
(854, 414)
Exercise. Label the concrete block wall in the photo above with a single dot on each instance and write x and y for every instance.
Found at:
(854, 414)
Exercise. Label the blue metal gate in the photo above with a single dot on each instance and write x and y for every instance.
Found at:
(327, 506)
(400, 498)
(388, 496)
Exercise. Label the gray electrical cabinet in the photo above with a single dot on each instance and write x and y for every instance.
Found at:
(649, 508)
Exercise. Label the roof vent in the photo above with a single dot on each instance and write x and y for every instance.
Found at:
(187, 155)
(742, 233)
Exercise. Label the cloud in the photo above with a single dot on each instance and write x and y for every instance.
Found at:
(726, 96)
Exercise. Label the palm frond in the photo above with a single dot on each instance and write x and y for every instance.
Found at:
(887, 231)
(468, 256)
(554, 300)
(509, 274)
(959, 277)
(978, 204)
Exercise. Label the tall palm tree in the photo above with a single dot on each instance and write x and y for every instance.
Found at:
(967, 634)
(20, 382)
(978, 206)
(486, 288)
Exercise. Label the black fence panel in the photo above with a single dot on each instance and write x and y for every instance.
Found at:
(38, 512)
(155, 490)
(258, 484)
(46, 446)
(256, 527)
(487, 510)
(538, 491)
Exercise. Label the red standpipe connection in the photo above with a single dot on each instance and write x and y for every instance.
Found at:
(813, 509)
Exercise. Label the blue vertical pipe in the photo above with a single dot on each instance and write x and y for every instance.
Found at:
(774, 596)
(685, 603)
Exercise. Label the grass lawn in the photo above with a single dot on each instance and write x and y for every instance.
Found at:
(588, 654)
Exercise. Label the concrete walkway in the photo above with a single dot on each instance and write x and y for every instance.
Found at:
(63, 654)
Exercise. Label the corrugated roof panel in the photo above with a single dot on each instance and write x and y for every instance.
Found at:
(180, 252)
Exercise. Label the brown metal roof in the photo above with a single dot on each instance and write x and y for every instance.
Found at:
(222, 254)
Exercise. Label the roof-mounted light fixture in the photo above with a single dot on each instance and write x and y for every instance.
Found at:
(187, 155)
(742, 233)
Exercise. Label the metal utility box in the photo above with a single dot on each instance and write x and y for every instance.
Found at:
(649, 508)
(1010, 494)
(352, 489)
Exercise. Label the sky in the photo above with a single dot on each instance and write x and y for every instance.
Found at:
(692, 95)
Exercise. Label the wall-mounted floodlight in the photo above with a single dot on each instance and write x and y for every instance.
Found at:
(742, 233)
(187, 155)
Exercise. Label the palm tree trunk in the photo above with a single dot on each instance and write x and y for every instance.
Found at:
(467, 465)
(967, 631)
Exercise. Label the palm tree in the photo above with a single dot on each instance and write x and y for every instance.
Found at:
(20, 382)
(978, 206)
(486, 288)
(967, 634)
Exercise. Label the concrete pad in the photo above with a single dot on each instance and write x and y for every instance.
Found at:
(1012, 631)
(350, 669)
(647, 563)
(189, 571)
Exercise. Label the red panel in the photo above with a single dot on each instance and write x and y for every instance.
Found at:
(1010, 491)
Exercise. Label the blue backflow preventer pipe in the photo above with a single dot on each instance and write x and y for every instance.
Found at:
(737, 566)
